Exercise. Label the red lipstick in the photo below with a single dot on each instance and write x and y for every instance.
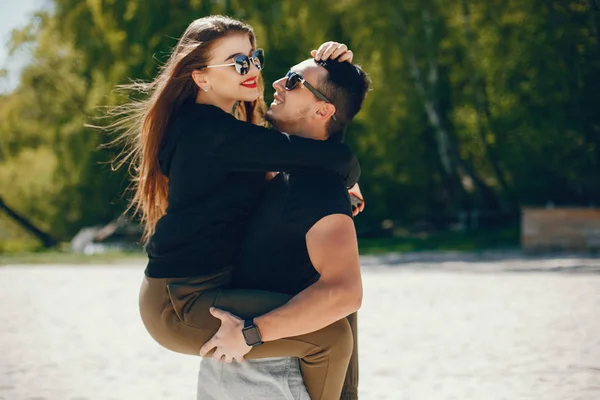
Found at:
(250, 83)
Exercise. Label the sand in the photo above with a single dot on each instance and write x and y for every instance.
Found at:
(450, 328)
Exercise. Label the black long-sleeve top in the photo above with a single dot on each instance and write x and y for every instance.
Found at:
(216, 168)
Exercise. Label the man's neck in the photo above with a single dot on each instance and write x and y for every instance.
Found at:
(307, 131)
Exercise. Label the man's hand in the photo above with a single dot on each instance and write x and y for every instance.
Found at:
(333, 50)
(228, 340)
(355, 191)
(271, 175)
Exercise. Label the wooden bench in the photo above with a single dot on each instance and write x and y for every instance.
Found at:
(572, 229)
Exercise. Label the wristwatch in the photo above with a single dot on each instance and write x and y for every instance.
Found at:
(251, 333)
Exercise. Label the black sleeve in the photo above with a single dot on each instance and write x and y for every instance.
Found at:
(314, 197)
(241, 146)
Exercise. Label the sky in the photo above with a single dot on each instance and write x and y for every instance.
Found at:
(14, 14)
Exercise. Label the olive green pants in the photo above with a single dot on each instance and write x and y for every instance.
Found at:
(350, 389)
(175, 313)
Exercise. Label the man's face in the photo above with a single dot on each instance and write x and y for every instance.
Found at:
(292, 110)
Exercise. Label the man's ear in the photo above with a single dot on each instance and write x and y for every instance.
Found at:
(200, 79)
(325, 111)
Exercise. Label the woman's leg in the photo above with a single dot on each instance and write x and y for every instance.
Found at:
(177, 316)
(350, 390)
(324, 354)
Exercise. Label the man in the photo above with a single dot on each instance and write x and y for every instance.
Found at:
(302, 236)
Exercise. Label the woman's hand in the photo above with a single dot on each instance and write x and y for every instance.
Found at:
(334, 51)
(229, 340)
(354, 191)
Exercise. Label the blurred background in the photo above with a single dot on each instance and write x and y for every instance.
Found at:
(480, 152)
(478, 108)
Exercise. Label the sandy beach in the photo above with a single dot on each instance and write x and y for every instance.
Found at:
(507, 328)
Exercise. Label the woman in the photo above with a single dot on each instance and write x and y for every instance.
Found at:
(199, 173)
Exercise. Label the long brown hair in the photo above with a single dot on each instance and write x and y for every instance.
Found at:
(143, 123)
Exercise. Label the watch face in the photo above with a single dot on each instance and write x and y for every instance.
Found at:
(251, 335)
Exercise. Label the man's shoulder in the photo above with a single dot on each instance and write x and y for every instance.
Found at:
(315, 195)
(319, 183)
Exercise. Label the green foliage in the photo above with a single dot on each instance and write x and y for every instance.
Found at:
(475, 105)
(477, 240)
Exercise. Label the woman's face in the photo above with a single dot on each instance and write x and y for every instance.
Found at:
(224, 83)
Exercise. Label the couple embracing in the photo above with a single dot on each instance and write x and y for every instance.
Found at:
(253, 257)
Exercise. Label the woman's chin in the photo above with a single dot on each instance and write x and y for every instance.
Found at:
(249, 95)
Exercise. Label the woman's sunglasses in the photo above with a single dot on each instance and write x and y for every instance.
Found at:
(242, 62)
(294, 78)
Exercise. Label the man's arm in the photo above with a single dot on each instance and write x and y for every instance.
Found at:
(333, 251)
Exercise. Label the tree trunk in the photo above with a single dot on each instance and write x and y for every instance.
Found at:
(441, 136)
(427, 89)
(45, 238)
(481, 103)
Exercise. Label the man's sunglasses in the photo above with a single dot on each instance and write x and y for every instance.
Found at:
(242, 62)
(294, 78)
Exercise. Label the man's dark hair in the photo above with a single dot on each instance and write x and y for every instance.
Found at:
(346, 86)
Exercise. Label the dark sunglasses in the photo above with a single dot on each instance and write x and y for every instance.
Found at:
(294, 78)
(242, 62)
